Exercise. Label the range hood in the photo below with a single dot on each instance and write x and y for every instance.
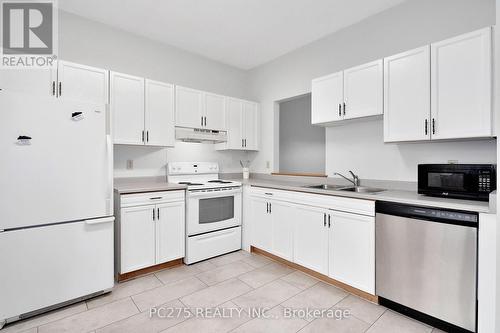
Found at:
(200, 135)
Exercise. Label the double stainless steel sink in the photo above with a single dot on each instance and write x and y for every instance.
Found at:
(344, 188)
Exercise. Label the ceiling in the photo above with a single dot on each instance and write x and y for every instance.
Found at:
(240, 33)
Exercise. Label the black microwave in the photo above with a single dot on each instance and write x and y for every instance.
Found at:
(461, 181)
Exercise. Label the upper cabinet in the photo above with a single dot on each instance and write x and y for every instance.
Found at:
(83, 83)
(142, 111)
(461, 86)
(159, 118)
(67, 80)
(363, 86)
(199, 109)
(352, 93)
(441, 91)
(242, 119)
(327, 98)
(407, 87)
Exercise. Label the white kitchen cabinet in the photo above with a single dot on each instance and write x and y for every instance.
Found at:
(188, 107)
(407, 96)
(40, 82)
(327, 98)
(159, 122)
(242, 119)
(352, 250)
(261, 223)
(170, 232)
(282, 230)
(142, 111)
(65, 80)
(82, 83)
(199, 109)
(215, 112)
(311, 237)
(150, 229)
(127, 108)
(461, 82)
(137, 238)
(363, 90)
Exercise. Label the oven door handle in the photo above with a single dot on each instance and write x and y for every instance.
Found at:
(213, 194)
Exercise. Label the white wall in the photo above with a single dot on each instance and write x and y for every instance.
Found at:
(95, 44)
(409, 25)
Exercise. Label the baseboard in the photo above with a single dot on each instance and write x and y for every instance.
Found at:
(319, 276)
(147, 270)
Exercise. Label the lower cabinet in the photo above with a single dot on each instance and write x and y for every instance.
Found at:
(311, 238)
(352, 250)
(150, 229)
(314, 233)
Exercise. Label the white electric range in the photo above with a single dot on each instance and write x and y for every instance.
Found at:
(213, 210)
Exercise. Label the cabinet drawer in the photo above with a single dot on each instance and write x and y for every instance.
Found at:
(350, 205)
(129, 200)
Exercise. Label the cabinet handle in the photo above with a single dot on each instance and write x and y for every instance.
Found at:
(143, 136)
(270, 208)
(241, 143)
(425, 126)
(158, 213)
(329, 221)
(340, 110)
(53, 88)
(245, 143)
(267, 207)
(60, 89)
(154, 214)
(433, 126)
(147, 136)
(324, 219)
(205, 121)
(344, 108)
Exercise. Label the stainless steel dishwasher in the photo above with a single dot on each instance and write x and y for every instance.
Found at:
(426, 264)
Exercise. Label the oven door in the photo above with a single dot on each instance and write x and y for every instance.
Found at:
(211, 210)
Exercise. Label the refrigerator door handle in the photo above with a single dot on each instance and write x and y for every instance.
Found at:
(100, 221)
(109, 148)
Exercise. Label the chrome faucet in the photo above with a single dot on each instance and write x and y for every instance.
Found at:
(354, 180)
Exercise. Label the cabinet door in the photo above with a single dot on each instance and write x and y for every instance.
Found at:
(363, 90)
(261, 224)
(407, 96)
(137, 238)
(250, 118)
(235, 121)
(310, 245)
(352, 250)
(327, 98)
(127, 108)
(39, 82)
(82, 83)
(159, 114)
(461, 86)
(215, 112)
(188, 107)
(170, 231)
(283, 215)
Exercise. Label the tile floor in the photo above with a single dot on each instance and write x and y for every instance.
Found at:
(231, 284)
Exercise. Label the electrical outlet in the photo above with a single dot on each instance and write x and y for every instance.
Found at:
(130, 164)
(268, 164)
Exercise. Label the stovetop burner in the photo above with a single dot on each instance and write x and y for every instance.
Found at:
(219, 181)
(189, 183)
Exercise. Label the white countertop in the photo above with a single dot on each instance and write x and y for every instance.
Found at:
(400, 196)
(144, 184)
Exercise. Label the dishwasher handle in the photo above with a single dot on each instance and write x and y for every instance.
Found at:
(433, 214)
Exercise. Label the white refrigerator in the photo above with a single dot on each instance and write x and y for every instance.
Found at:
(56, 207)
